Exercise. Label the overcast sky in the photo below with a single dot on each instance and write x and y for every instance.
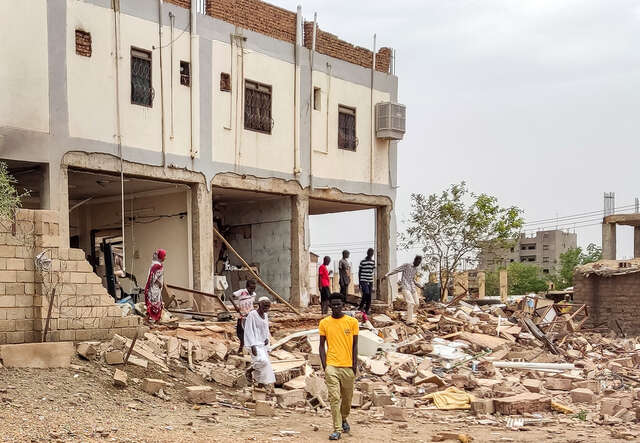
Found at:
(534, 101)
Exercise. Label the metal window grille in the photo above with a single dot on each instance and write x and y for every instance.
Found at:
(257, 107)
(141, 89)
(225, 81)
(185, 73)
(347, 128)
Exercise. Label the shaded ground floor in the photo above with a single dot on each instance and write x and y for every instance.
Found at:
(127, 211)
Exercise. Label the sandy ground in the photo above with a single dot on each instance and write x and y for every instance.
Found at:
(81, 404)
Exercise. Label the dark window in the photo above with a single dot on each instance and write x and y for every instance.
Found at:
(185, 73)
(545, 247)
(141, 89)
(225, 81)
(257, 107)
(347, 128)
(511, 260)
(317, 98)
(511, 249)
(546, 271)
(83, 43)
(545, 259)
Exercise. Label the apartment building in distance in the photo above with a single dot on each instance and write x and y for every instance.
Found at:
(148, 123)
(542, 249)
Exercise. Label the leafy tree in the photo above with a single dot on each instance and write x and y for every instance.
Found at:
(9, 197)
(524, 278)
(452, 226)
(569, 260)
(492, 284)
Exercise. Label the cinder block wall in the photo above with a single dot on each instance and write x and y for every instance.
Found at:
(82, 308)
(610, 298)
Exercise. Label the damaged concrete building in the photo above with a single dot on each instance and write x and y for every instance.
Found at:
(144, 124)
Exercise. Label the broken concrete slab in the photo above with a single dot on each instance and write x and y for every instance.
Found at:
(120, 379)
(137, 361)
(87, 351)
(482, 406)
(583, 395)
(558, 384)
(264, 409)
(532, 385)
(522, 403)
(288, 398)
(395, 413)
(37, 355)
(115, 357)
(201, 395)
(153, 385)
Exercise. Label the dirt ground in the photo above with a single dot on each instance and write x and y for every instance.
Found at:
(81, 404)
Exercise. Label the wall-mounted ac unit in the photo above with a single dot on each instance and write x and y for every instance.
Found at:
(390, 120)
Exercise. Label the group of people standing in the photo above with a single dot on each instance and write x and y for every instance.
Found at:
(365, 279)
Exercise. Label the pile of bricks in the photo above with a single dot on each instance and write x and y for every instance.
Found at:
(82, 308)
(83, 43)
(332, 46)
(256, 16)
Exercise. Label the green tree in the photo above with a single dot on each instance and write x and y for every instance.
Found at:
(9, 196)
(452, 226)
(492, 284)
(524, 278)
(569, 260)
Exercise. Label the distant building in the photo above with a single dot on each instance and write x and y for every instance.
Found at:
(543, 250)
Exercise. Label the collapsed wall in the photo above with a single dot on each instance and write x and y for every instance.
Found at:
(612, 299)
(82, 309)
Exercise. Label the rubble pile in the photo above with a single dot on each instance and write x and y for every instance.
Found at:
(527, 362)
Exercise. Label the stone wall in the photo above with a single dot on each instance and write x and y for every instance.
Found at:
(610, 299)
(82, 308)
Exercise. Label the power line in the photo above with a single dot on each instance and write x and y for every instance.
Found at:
(579, 215)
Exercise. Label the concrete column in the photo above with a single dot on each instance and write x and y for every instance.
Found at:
(54, 195)
(636, 242)
(503, 285)
(482, 278)
(383, 252)
(202, 237)
(299, 251)
(609, 241)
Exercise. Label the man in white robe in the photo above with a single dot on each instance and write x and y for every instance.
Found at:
(256, 338)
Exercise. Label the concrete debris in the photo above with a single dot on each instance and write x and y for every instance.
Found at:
(37, 355)
(486, 361)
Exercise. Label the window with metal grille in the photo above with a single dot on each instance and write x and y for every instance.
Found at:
(83, 43)
(141, 89)
(225, 82)
(257, 107)
(347, 128)
(185, 73)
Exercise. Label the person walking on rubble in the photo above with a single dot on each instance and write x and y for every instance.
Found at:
(365, 278)
(344, 268)
(243, 300)
(256, 338)
(324, 283)
(153, 288)
(408, 284)
(340, 334)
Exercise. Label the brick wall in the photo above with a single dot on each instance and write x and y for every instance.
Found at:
(83, 43)
(332, 46)
(82, 309)
(610, 298)
(256, 16)
(182, 3)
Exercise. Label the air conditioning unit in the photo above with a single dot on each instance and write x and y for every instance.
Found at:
(390, 120)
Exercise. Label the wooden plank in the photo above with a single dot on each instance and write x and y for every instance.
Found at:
(256, 276)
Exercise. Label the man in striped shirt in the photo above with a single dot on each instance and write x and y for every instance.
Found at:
(365, 277)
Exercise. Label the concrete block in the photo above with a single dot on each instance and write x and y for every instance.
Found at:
(114, 357)
(76, 254)
(264, 409)
(583, 395)
(608, 406)
(8, 276)
(482, 406)
(395, 413)
(527, 402)
(37, 355)
(357, 400)
(153, 385)
(87, 351)
(18, 337)
(137, 361)
(120, 379)
(288, 398)
(381, 398)
(201, 395)
(592, 385)
(16, 264)
(532, 385)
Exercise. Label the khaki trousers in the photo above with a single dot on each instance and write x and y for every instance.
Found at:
(340, 386)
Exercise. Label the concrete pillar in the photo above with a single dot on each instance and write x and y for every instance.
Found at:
(54, 195)
(299, 251)
(609, 241)
(636, 242)
(482, 279)
(503, 285)
(383, 252)
(202, 237)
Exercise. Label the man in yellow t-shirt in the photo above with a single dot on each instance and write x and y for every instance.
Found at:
(340, 333)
